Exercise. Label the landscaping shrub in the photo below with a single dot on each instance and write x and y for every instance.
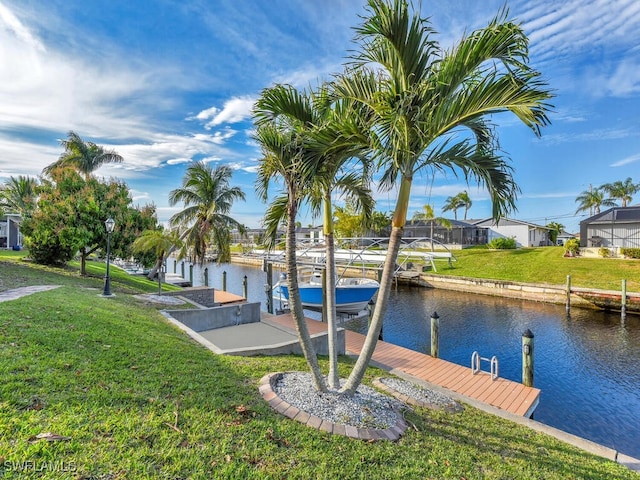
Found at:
(604, 252)
(630, 252)
(502, 243)
(572, 247)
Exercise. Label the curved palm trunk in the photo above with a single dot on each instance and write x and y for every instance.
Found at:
(296, 304)
(332, 328)
(398, 222)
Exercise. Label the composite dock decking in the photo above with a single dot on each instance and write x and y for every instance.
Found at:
(501, 393)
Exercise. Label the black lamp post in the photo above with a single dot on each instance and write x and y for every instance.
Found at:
(109, 224)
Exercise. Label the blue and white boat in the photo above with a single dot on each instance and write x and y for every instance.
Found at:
(352, 294)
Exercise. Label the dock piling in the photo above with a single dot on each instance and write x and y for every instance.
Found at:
(435, 327)
(206, 277)
(244, 287)
(224, 281)
(623, 301)
(527, 358)
(568, 305)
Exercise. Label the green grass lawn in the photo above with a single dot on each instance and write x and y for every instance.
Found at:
(136, 398)
(545, 265)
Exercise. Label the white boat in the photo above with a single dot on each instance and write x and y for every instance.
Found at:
(352, 294)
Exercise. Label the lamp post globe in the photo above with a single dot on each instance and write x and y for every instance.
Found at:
(109, 225)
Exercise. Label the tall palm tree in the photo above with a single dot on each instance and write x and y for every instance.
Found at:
(623, 191)
(430, 108)
(208, 199)
(85, 157)
(327, 130)
(593, 200)
(19, 195)
(453, 204)
(281, 160)
(428, 215)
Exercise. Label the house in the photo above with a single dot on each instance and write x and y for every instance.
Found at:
(10, 236)
(524, 233)
(461, 233)
(616, 227)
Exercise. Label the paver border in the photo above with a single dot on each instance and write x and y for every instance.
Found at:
(267, 391)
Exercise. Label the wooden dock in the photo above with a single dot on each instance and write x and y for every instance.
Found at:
(501, 393)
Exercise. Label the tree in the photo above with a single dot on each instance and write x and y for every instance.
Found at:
(452, 204)
(556, 229)
(421, 98)
(19, 195)
(160, 242)
(380, 223)
(348, 222)
(281, 157)
(592, 200)
(465, 201)
(208, 199)
(70, 216)
(622, 191)
(428, 215)
(85, 157)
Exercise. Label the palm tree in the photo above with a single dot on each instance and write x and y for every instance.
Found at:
(161, 243)
(465, 201)
(453, 204)
(85, 157)
(623, 191)
(19, 195)
(208, 198)
(327, 130)
(281, 159)
(592, 200)
(423, 99)
(556, 229)
(428, 215)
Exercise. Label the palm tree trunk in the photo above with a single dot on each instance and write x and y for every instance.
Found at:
(332, 328)
(294, 299)
(395, 239)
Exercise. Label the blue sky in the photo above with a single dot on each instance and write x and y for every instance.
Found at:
(166, 82)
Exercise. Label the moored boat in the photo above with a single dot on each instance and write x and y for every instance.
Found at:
(352, 294)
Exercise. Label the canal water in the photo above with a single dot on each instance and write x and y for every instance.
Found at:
(587, 364)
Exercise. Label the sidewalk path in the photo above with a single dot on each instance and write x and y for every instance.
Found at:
(16, 293)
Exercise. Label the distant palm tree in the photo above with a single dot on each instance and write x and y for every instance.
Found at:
(556, 229)
(592, 200)
(419, 96)
(208, 199)
(161, 243)
(85, 157)
(466, 202)
(453, 204)
(623, 191)
(428, 215)
(19, 195)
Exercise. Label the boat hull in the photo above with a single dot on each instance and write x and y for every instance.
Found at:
(349, 299)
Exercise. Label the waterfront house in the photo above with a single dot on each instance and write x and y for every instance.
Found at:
(615, 227)
(524, 233)
(10, 236)
(461, 234)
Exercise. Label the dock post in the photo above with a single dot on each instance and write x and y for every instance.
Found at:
(435, 326)
(175, 265)
(182, 269)
(224, 281)
(623, 300)
(527, 358)
(244, 287)
(269, 287)
(568, 305)
(206, 277)
(191, 275)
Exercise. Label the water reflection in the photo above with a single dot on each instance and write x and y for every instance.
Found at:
(586, 364)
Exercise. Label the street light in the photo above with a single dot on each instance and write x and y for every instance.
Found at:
(109, 224)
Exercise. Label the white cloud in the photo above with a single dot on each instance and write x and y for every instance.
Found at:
(235, 110)
(626, 161)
